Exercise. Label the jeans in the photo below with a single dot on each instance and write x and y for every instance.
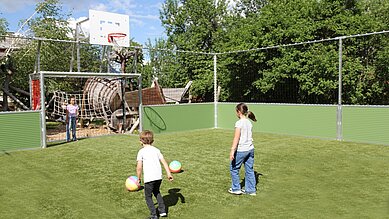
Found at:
(71, 125)
(246, 158)
(150, 189)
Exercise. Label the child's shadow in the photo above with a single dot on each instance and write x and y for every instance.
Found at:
(242, 184)
(172, 198)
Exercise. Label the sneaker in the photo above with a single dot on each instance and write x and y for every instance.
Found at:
(252, 193)
(235, 192)
(163, 214)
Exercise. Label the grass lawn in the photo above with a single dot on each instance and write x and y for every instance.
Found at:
(297, 178)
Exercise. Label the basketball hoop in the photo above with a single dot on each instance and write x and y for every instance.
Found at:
(117, 39)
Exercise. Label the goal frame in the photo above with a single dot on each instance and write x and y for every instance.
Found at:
(55, 74)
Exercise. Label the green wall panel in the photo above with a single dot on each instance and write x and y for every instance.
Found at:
(366, 124)
(19, 130)
(306, 120)
(182, 117)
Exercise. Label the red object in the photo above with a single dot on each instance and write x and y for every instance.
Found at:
(36, 94)
(115, 35)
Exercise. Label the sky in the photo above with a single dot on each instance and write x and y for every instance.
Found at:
(144, 14)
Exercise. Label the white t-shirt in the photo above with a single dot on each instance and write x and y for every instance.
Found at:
(72, 109)
(150, 157)
(246, 139)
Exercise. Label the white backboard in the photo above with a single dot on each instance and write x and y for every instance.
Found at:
(103, 23)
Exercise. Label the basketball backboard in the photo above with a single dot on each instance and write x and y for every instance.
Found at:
(103, 24)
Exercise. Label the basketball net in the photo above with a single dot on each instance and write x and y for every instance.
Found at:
(117, 40)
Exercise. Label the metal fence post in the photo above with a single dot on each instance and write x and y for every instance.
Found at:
(215, 88)
(42, 88)
(339, 131)
(140, 104)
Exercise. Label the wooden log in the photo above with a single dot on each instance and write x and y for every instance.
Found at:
(19, 90)
(6, 88)
(15, 99)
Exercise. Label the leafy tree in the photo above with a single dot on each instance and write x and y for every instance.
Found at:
(302, 74)
(3, 26)
(194, 26)
(162, 64)
(54, 56)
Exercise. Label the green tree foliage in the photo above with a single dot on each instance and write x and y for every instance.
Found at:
(51, 23)
(294, 74)
(162, 64)
(54, 56)
(194, 26)
(3, 26)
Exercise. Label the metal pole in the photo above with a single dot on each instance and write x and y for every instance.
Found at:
(42, 88)
(140, 103)
(108, 51)
(30, 89)
(78, 27)
(135, 60)
(215, 88)
(339, 134)
(72, 58)
(102, 58)
(124, 104)
(78, 48)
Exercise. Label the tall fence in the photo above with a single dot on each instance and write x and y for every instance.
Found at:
(297, 89)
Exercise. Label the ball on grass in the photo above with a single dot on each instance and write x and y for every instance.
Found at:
(175, 166)
(132, 184)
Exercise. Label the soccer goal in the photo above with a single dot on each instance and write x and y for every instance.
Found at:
(106, 103)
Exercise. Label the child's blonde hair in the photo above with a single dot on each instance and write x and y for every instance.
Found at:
(146, 137)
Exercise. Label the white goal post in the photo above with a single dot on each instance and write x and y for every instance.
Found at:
(53, 74)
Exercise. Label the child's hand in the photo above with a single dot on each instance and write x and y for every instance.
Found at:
(139, 181)
(232, 156)
(170, 177)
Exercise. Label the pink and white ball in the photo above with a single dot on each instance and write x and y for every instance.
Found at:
(132, 184)
(175, 166)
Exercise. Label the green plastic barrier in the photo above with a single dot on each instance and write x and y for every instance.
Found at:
(306, 120)
(20, 130)
(182, 117)
(366, 124)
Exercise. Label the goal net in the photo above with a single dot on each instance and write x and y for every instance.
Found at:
(101, 99)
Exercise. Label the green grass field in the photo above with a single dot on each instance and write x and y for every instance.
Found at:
(297, 178)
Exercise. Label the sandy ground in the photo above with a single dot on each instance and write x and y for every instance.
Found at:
(59, 133)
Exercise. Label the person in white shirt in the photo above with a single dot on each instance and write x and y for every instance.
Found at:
(148, 160)
(242, 152)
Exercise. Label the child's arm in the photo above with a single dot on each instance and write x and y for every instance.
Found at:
(235, 143)
(139, 170)
(166, 166)
(67, 116)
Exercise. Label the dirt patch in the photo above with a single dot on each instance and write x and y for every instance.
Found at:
(59, 133)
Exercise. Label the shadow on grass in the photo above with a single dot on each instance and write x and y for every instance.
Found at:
(257, 175)
(58, 143)
(172, 198)
(4, 152)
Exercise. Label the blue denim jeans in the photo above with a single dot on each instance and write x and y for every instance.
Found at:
(71, 126)
(246, 158)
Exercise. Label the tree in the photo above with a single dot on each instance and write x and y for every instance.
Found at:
(194, 26)
(309, 72)
(3, 26)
